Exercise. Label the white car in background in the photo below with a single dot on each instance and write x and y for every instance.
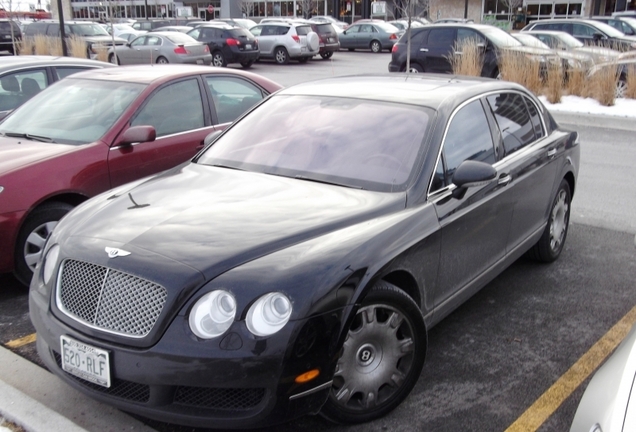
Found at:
(284, 40)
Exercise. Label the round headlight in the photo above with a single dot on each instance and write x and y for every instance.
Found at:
(269, 314)
(50, 262)
(212, 314)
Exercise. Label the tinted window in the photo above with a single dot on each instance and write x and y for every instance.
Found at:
(53, 30)
(513, 119)
(195, 34)
(468, 138)
(465, 35)
(535, 118)
(303, 30)
(64, 71)
(419, 38)
(583, 30)
(18, 87)
(232, 97)
(174, 108)
(442, 37)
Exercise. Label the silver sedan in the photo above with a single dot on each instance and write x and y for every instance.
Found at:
(161, 47)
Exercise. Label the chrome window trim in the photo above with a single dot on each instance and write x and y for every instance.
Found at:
(163, 137)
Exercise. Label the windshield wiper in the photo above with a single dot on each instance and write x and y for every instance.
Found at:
(301, 177)
(227, 166)
(28, 136)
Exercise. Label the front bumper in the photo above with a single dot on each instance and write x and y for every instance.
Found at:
(234, 381)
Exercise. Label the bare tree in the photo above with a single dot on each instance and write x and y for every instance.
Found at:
(247, 8)
(512, 6)
(307, 7)
(410, 9)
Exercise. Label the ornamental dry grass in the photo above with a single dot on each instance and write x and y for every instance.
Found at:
(471, 60)
(516, 67)
(102, 53)
(575, 84)
(602, 84)
(40, 45)
(554, 83)
(630, 91)
(77, 47)
(27, 46)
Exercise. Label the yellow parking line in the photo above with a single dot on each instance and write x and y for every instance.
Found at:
(17, 343)
(549, 401)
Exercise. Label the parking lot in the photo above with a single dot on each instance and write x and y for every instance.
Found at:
(490, 360)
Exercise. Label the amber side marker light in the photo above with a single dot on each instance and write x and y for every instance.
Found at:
(307, 376)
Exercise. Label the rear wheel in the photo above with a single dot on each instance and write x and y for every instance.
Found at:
(376, 46)
(621, 87)
(218, 60)
(36, 229)
(162, 60)
(550, 245)
(414, 68)
(113, 59)
(303, 59)
(281, 56)
(351, 49)
(382, 357)
(326, 55)
(247, 63)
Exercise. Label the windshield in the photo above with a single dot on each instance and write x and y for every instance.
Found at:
(73, 111)
(89, 30)
(530, 41)
(351, 142)
(499, 38)
(609, 30)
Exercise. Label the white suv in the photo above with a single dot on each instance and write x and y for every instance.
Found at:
(286, 40)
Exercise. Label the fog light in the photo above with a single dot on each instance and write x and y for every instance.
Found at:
(307, 376)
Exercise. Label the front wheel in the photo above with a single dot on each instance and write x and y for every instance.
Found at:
(162, 60)
(414, 68)
(218, 60)
(36, 229)
(550, 245)
(382, 357)
(281, 56)
(247, 64)
(376, 46)
(113, 59)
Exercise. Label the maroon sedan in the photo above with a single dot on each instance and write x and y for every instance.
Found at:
(100, 129)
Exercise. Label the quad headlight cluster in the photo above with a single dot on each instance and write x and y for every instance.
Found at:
(214, 313)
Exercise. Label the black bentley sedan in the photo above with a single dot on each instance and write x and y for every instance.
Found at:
(296, 269)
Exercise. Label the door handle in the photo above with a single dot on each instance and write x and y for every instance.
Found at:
(424, 49)
(504, 179)
(552, 153)
(458, 53)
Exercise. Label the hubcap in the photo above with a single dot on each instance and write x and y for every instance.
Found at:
(376, 358)
(558, 221)
(218, 60)
(35, 242)
(620, 89)
(280, 57)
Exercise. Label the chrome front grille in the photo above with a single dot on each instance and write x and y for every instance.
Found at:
(108, 299)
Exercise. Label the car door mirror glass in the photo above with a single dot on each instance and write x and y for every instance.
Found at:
(137, 134)
(472, 173)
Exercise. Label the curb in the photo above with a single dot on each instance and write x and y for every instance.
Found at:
(595, 120)
(37, 400)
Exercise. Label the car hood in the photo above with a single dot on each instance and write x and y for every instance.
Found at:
(532, 50)
(598, 52)
(213, 219)
(16, 153)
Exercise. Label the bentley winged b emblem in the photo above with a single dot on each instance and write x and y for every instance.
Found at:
(114, 252)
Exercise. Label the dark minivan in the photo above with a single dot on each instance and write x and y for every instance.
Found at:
(227, 44)
(7, 39)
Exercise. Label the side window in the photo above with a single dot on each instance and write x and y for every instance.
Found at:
(232, 96)
(256, 31)
(625, 28)
(420, 38)
(464, 35)
(468, 138)
(442, 37)
(353, 29)
(513, 119)
(582, 30)
(153, 40)
(64, 71)
(138, 42)
(280, 30)
(535, 117)
(18, 87)
(174, 108)
(53, 30)
(194, 34)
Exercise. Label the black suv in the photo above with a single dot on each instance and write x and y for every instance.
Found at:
(94, 34)
(6, 42)
(589, 32)
(227, 44)
(329, 42)
(432, 46)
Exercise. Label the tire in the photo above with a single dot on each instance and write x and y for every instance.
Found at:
(112, 59)
(415, 68)
(495, 74)
(550, 245)
(303, 59)
(313, 41)
(351, 49)
(326, 55)
(218, 60)
(33, 234)
(162, 60)
(375, 46)
(281, 56)
(247, 64)
(378, 359)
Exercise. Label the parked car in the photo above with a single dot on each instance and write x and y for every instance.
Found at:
(588, 31)
(433, 46)
(454, 21)
(607, 405)
(375, 35)
(10, 36)
(625, 25)
(22, 77)
(173, 28)
(132, 35)
(296, 263)
(238, 22)
(329, 42)
(163, 48)
(227, 44)
(93, 34)
(150, 24)
(119, 28)
(99, 129)
(623, 68)
(403, 24)
(561, 41)
(570, 59)
(329, 19)
(286, 40)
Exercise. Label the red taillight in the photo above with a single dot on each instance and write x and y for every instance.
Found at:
(206, 49)
(394, 49)
(232, 42)
(296, 38)
(393, 36)
(181, 50)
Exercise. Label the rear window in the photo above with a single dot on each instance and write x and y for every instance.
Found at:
(303, 30)
(6, 27)
(180, 38)
(240, 32)
(324, 29)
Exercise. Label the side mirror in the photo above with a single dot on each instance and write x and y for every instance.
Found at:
(470, 174)
(211, 137)
(598, 36)
(136, 134)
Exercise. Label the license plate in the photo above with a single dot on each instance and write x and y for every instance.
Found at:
(85, 361)
(248, 46)
(199, 61)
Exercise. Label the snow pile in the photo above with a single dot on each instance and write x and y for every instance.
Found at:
(576, 104)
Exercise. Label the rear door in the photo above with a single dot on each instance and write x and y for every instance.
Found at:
(439, 48)
(180, 114)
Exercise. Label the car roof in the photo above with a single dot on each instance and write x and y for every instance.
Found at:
(10, 62)
(431, 90)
